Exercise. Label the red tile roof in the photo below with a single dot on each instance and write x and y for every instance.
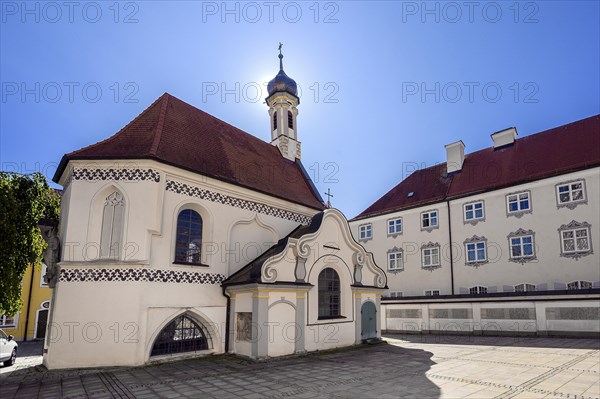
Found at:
(176, 133)
(556, 151)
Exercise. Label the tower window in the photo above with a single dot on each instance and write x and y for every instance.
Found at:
(275, 121)
(290, 120)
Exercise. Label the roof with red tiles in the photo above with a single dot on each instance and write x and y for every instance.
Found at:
(173, 132)
(553, 152)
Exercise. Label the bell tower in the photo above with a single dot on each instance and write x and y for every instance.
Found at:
(283, 101)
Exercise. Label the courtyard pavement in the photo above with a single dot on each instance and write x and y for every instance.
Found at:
(405, 366)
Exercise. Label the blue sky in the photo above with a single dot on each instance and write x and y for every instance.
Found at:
(385, 85)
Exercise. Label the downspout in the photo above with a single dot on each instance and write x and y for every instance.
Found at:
(450, 240)
(29, 303)
(227, 315)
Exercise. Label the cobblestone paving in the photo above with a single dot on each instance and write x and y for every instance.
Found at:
(406, 367)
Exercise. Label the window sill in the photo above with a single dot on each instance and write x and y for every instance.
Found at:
(190, 264)
(331, 317)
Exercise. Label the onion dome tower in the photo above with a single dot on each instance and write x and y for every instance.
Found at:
(283, 101)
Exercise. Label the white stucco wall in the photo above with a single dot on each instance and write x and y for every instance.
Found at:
(149, 245)
(550, 271)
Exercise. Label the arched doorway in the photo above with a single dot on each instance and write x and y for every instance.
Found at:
(183, 334)
(41, 320)
(368, 321)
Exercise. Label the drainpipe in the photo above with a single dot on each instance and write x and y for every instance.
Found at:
(450, 240)
(227, 326)
(29, 302)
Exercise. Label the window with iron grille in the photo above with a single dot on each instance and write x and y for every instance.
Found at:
(579, 285)
(181, 335)
(524, 287)
(478, 290)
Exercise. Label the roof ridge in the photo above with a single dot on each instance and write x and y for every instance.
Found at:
(160, 124)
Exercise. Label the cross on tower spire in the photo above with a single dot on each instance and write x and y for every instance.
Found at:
(280, 57)
(329, 197)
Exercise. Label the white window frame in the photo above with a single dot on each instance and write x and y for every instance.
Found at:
(520, 235)
(479, 289)
(525, 287)
(571, 203)
(519, 211)
(393, 224)
(427, 215)
(395, 294)
(474, 218)
(578, 285)
(14, 324)
(475, 243)
(432, 292)
(430, 248)
(576, 250)
(397, 256)
(365, 228)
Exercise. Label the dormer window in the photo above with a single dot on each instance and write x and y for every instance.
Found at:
(290, 120)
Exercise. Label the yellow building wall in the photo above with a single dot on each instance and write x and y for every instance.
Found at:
(39, 294)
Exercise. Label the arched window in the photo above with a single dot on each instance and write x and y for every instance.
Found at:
(290, 120)
(181, 335)
(113, 216)
(329, 294)
(275, 120)
(189, 237)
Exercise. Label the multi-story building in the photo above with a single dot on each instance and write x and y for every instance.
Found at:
(522, 215)
(30, 323)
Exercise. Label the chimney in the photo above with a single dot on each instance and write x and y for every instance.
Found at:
(504, 137)
(455, 156)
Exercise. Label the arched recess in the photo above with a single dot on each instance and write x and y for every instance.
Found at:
(282, 333)
(93, 248)
(247, 240)
(207, 229)
(186, 332)
(345, 274)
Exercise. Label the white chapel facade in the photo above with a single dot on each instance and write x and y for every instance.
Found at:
(183, 235)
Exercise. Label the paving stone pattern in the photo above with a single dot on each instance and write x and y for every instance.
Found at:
(406, 366)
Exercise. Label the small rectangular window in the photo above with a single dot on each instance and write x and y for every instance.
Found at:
(430, 256)
(571, 192)
(8, 321)
(518, 202)
(429, 219)
(575, 240)
(521, 247)
(474, 211)
(395, 261)
(365, 231)
(432, 292)
(579, 285)
(478, 290)
(476, 251)
(524, 288)
(395, 294)
(395, 226)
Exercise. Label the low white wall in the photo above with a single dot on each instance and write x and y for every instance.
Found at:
(553, 316)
